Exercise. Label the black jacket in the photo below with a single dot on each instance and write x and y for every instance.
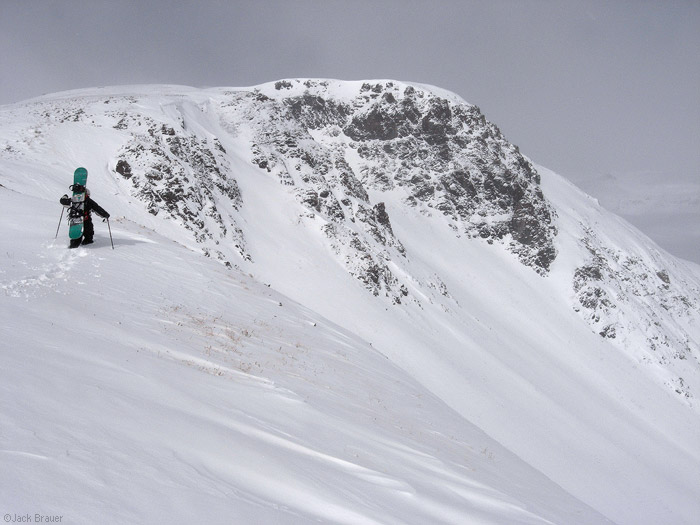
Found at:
(91, 205)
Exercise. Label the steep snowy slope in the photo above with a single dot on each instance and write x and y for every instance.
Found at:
(400, 214)
(151, 385)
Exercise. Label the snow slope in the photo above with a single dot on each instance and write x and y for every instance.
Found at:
(159, 385)
(150, 384)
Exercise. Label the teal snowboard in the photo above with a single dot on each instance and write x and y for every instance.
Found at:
(76, 214)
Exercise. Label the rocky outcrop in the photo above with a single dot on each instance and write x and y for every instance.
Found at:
(186, 176)
(440, 154)
(631, 300)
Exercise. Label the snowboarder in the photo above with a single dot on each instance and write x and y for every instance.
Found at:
(88, 228)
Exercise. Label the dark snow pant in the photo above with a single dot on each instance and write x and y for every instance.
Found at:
(86, 238)
(88, 231)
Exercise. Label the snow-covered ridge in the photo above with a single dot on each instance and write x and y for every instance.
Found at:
(346, 150)
(398, 212)
(335, 143)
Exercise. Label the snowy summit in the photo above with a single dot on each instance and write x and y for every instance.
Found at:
(329, 301)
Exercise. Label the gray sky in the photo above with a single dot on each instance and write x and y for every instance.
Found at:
(585, 88)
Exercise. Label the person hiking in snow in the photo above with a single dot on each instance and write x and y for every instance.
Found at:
(88, 228)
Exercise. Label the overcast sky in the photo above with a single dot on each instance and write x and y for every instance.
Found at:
(583, 87)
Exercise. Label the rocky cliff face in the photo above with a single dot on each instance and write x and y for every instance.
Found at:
(341, 154)
(442, 155)
(183, 174)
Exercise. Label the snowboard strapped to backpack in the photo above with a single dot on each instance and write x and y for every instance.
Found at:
(76, 214)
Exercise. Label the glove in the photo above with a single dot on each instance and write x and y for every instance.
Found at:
(65, 200)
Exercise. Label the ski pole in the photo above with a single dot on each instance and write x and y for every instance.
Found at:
(59, 222)
(110, 234)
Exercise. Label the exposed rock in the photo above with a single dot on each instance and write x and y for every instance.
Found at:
(613, 288)
(124, 169)
(184, 176)
(442, 154)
